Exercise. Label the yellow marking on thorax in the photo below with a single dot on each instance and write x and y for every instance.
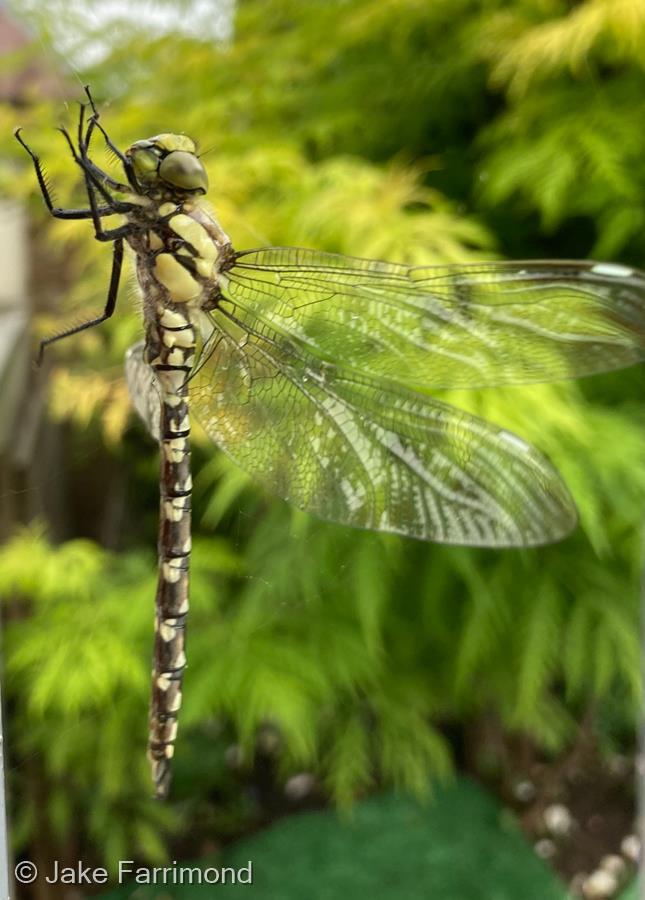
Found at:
(204, 267)
(137, 200)
(197, 236)
(154, 241)
(180, 284)
(166, 208)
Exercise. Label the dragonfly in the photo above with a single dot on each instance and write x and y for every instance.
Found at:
(313, 372)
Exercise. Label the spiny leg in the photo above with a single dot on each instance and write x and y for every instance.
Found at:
(103, 179)
(58, 212)
(95, 178)
(94, 122)
(100, 233)
(92, 182)
(110, 304)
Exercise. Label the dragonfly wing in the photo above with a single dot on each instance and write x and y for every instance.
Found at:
(367, 454)
(143, 388)
(445, 326)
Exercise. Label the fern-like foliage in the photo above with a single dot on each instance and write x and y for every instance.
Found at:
(566, 143)
(76, 681)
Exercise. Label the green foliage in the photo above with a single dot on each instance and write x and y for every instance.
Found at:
(77, 681)
(565, 146)
(418, 131)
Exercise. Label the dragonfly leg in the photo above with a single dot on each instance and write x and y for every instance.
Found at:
(94, 123)
(92, 183)
(58, 212)
(110, 304)
(103, 179)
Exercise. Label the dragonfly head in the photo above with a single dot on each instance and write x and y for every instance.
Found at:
(168, 161)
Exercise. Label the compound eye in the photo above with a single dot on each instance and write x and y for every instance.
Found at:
(145, 164)
(183, 170)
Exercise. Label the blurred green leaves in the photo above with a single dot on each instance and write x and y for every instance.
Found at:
(566, 146)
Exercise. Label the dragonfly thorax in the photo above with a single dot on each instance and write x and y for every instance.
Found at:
(180, 249)
(168, 165)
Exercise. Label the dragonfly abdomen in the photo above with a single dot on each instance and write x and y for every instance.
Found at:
(173, 358)
(178, 254)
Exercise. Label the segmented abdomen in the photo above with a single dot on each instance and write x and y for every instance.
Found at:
(172, 364)
(177, 264)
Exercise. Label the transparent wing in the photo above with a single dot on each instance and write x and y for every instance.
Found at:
(447, 326)
(353, 450)
(143, 388)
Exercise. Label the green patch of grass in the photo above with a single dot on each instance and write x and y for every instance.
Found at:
(632, 892)
(459, 846)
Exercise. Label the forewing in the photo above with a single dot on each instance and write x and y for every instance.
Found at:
(447, 326)
(143, 388)
(355, 451)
